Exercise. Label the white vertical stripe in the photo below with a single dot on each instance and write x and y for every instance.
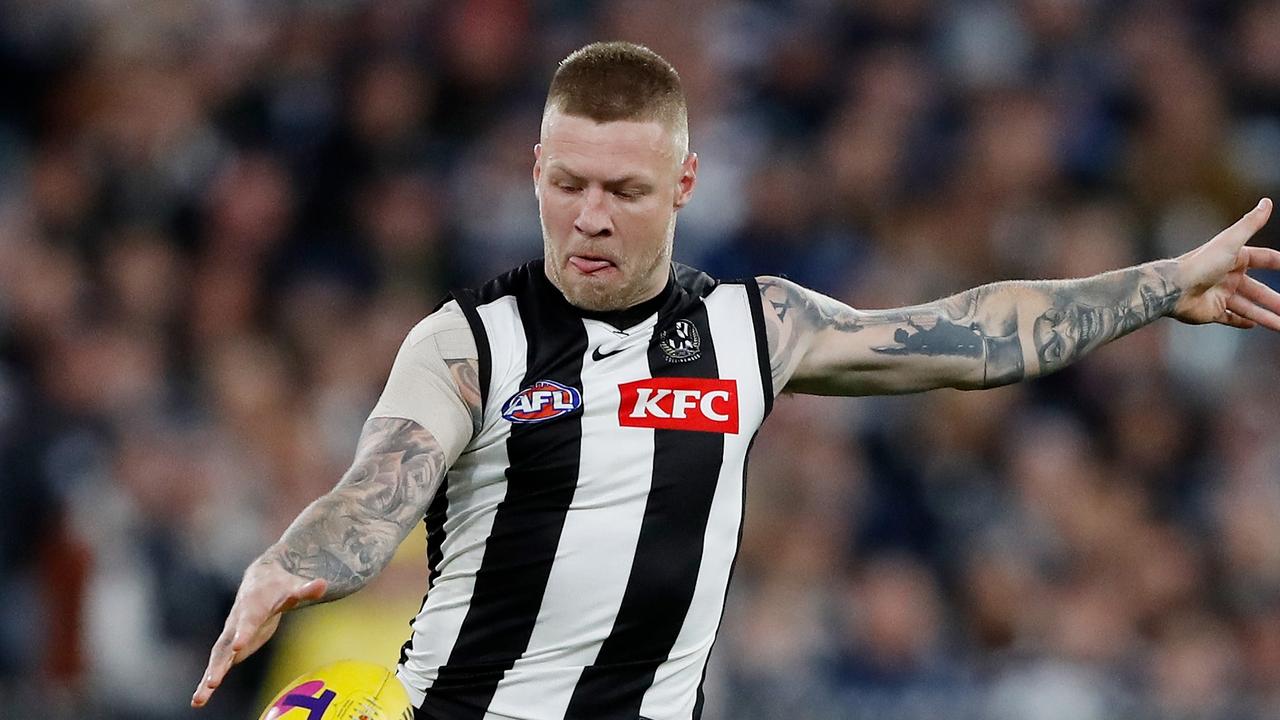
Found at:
(598, 542)
(477, 484)
(508, 358)
(602, 526)
(674, 689)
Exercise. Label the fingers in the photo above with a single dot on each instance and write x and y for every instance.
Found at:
(226, 652)
(220, 661)
(250, 623)
(1258, 216)
(1239, 233)
(1254, 303)
(1263, 258)
(1235, 321)
(315, 589)
(1245, 308)
(1264, 205)
(1258, 293)
(311, 590)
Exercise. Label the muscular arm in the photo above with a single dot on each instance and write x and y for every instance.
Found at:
(348, 535)
(429, 411)
(988, 336)
(1005, 332)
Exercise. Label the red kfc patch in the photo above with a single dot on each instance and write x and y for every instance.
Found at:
(672, 403)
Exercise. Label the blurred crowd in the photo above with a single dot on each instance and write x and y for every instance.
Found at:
(219, 218)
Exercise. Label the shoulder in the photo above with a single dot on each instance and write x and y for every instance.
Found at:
(781, 296)
(791, 302)
(694, 281)
(448, 321)
(775, 285)
(782, 303)
(437, 368)
(523, 278)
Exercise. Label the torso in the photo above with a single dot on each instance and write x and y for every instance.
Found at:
(582, 544)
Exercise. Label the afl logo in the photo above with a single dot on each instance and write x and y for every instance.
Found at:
(543, 400)
(680, 343)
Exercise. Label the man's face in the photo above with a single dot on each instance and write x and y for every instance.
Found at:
(608, 195)
(1061, 333)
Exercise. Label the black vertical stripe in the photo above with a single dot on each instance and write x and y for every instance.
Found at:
(541, 479)
(437, 511)
(756, 301)
(484, 358)
(733, 566)
(668, 554)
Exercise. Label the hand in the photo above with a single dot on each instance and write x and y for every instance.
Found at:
(1214, 285)
(267, 592)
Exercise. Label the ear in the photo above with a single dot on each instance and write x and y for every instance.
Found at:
(688, 178)
(537, 166)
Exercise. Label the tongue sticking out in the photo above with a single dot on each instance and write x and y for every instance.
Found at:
(589, 266)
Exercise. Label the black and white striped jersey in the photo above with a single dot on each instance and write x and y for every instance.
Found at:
(581, 546)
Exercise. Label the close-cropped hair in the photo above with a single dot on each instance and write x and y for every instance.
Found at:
(609, 81)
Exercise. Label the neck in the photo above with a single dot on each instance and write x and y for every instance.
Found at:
(632, 313)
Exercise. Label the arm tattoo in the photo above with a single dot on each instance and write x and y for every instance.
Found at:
(348, 535)
(961, 326)
(946, 328)
(977, 338)
(466, 376)
(786, 329)
(1084, 314)
(783, 296)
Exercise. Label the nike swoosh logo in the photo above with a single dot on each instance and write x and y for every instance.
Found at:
(598, 356)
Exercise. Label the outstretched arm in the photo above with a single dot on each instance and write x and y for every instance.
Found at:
(1005, 332)
(344, 538)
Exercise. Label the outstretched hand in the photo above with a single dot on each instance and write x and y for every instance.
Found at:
(266, 593)
(1215, 286)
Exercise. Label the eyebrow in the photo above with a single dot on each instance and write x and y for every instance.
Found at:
(610, 184)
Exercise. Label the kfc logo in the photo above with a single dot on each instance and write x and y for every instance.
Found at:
(700, 404)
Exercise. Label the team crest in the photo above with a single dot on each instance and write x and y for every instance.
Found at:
(543, 400)
(680, 343)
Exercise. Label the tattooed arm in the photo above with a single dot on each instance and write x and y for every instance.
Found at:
(429, 411)
(1005, 332)
(991, 335)
(347, 536)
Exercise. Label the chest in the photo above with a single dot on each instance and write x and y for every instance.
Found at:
(621, 383)
(694, 374)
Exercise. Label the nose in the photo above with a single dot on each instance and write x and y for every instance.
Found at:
(593, 218)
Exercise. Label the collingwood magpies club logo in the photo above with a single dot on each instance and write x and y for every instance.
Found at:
(680, 343)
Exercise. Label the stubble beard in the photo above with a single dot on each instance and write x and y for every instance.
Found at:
(633, 286)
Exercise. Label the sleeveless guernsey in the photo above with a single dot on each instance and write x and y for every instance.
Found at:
(580, 548)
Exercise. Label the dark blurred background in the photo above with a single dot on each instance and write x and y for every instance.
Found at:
(219, 218)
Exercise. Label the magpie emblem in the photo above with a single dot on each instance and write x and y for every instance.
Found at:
(681, 343)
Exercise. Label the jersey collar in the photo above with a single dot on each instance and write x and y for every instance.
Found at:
(620, 319)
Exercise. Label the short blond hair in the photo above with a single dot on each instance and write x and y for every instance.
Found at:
(608, 81)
